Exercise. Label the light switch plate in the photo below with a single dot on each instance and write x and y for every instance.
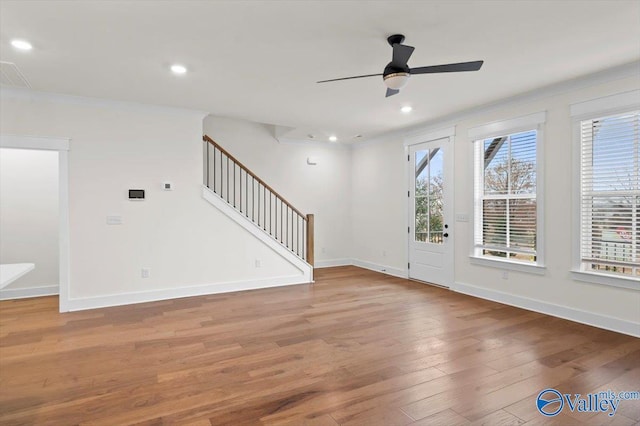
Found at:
(462, 217)
(114, 220)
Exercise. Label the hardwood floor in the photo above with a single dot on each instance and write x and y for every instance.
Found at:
(356, 348)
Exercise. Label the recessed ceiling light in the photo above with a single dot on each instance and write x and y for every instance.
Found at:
(333, 138)
(406, 109)
(21, 44)
(178, 69)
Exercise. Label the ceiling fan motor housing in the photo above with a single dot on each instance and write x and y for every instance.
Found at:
(395, 39)
(393, 69)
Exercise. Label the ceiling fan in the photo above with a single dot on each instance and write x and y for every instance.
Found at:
(396, 74)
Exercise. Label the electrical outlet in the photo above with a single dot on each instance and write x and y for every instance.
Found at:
(323, 250)
(145, 272)
(384, 253)
(258, 263)
(505, 275)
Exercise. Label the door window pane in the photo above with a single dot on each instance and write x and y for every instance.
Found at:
(436, 218)
(429, 219)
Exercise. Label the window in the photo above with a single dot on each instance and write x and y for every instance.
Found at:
(508, 184)
(610, 195)
(506, 225)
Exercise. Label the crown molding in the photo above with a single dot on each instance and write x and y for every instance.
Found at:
(30, 94)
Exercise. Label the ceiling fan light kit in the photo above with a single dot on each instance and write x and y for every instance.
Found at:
(397, 72)
(396, 80)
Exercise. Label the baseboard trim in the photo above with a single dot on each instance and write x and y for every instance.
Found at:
(179, 292)
(589, 318)
(23, 293)
(389, 270)
(330, 263)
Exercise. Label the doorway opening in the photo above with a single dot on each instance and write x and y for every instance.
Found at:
(430, 207)
(34, 226)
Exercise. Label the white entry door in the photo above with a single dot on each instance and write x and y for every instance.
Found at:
(431, 212)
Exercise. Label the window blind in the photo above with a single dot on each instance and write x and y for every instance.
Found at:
(506, 197)
(610, 194)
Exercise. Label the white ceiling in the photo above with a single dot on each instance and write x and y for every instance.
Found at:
(259, 60)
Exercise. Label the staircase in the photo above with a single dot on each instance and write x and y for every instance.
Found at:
(257, 202)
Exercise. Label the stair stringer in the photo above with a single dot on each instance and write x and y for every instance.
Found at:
(226, 208)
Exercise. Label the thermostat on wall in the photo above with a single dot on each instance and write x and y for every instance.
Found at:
(136, 194)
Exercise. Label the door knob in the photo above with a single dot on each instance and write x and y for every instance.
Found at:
(446, 234)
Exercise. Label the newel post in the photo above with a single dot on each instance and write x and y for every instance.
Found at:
(310, 241)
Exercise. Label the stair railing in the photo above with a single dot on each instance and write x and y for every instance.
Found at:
(255, 199)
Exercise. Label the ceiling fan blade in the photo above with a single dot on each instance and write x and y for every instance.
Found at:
(401, 55)
(458, 67)
(349, 78)
(391, 92)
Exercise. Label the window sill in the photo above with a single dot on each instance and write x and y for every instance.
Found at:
(595, 278)
(511, 265)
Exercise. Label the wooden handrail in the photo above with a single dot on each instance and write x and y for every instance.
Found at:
(302, 247)
(250, 173)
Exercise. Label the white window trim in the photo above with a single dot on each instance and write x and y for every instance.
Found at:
(588, 110)
(605, 279)
(512, 265)
(608, 105)
(428, 135)
(501, 128)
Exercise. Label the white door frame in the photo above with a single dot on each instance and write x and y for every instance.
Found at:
(61, 145)
(418, 138)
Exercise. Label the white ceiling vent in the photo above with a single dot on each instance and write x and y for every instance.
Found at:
(12, 77)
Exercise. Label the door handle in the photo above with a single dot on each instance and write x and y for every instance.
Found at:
(446, 234)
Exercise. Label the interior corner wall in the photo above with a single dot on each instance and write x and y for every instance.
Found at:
(29, 215)
(323, 189)
(187, 244)
(379, 205)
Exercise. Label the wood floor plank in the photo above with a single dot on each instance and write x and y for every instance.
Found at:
(402, 397)
(355, 348)
(498, 418)
(443, 418)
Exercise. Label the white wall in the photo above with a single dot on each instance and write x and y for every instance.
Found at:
(29, 214)
(379, 221)
(323, 189)
(379, 197)
(184, 240)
